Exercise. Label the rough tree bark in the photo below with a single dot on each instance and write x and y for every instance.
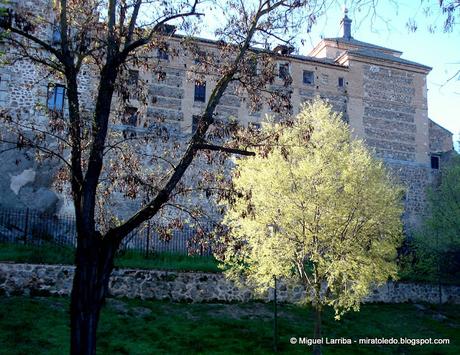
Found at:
(317, 332)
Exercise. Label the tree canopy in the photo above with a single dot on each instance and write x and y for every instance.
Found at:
(317, 209)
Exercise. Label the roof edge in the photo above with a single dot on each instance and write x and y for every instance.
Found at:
(442, 127)
(401, 61)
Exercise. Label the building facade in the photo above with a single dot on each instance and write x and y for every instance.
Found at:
(381, 95)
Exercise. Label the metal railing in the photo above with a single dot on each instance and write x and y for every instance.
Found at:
(31, 227)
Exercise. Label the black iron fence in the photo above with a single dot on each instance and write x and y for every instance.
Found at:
(31, 227)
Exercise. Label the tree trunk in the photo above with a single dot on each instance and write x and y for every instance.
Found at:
(317, 333)
(94, 264)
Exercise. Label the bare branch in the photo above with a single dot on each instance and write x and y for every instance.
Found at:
(204, 146)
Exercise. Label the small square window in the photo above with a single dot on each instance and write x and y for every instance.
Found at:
(284, 71)
(130, 117)
(308, 77)
(56, 36)
(133, 77)
(252, 66)
(340, 82)
(255, 126)
(163, 54)
(56, 97)
(200, 91)
(434, 162)
(200, 57)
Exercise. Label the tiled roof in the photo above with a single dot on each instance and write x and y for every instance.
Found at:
(380, 55)
(357, 43)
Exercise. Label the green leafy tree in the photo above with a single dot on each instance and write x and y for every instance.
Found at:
(316, 209)
(444, 201)
(437, 245)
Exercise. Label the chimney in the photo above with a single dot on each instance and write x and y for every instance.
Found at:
(346, 25)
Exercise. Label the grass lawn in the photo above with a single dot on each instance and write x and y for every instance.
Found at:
(40, 326)
(53, 254)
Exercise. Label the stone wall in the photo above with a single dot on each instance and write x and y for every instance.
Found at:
(440, 138)
(27, 279)
(384, 102)
(415, 179)
(389, 112)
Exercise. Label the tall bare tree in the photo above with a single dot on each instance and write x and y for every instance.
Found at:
(110, 37)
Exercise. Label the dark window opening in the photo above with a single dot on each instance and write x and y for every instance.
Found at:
(200, 91)
(255, 126)
(130, 117)
(133, 77)
(435, 162)
(252, 63)
(56, 36)
(195, 121)
(163, 54)
(56, 97)
(308, 77)
(200, 57)
(340, 83)
(284, 71)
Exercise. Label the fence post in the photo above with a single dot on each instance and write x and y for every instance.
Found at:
(26, 226)
(275, 318)
(148, 240)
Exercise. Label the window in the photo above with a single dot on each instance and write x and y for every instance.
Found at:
(56, 97)
(255, 126)
(195, 121)
(284, 71)
(340, 82)
(200, 91)
(163, 53)
(56, 36)
(308, 77)
(130, 117)
(434, 162)
(133, 77)
(252, 66)
(200, 57)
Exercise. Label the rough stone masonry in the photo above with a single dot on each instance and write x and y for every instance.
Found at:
(382, 96)
(44, 280)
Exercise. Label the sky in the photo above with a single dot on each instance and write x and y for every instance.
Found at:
(438, 50)
(388, 28)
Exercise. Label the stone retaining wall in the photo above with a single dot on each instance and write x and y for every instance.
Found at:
(27, 279)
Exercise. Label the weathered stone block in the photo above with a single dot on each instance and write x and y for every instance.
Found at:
(168, 91)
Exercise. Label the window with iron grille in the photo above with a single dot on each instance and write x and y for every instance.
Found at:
(340, 82)
(200, 57)
(200, 91)
(130, 117)
(284, 71)
(133, 77)
(56, 97)
(252, 66)
(163, 54)
(308, 77)
(56, 36)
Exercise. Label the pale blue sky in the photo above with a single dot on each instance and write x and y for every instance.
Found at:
(387, 27)
(441, 51)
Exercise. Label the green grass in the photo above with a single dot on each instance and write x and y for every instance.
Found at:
(40, 326)
(52, 254)
(46, 253)
(168, 261)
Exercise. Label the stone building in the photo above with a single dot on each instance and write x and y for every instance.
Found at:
(382, 96)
